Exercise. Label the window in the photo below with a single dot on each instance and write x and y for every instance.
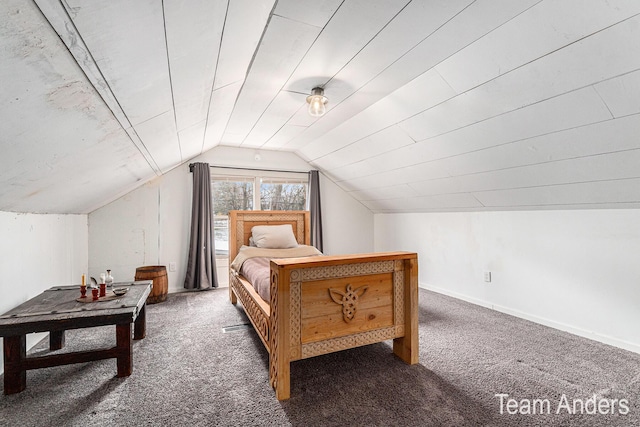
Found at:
(228, 193)
(278, 194)
(259, 190)
(232, 193)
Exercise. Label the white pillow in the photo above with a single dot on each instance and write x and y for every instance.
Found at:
(274, 236)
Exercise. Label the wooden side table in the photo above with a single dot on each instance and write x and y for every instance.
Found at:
(55, 311)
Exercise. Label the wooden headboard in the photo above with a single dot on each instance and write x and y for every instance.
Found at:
(241, 222)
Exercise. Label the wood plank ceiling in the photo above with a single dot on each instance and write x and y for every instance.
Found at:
(447, 105)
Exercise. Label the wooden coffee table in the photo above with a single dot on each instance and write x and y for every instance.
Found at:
(55, 311)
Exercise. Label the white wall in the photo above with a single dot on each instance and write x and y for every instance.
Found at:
(573, 270)
(124, 234)
(150, 225)
(36, 253)
(347, 225)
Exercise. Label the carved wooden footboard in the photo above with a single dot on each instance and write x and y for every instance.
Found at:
(324, 304)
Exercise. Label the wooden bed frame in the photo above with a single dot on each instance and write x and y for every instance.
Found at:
(323, 304)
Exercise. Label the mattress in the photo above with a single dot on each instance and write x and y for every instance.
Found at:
(253, 264)
(256, 271)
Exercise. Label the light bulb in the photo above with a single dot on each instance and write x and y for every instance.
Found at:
(316, 106)
(317, 102)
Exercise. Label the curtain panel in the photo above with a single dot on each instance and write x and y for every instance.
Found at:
(314, 209)
(201, 267)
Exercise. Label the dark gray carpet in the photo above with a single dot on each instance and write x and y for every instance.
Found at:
(187, 372)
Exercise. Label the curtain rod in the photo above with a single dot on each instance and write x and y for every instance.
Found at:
(250, 169)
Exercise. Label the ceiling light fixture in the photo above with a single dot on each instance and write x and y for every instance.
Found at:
(317, 102)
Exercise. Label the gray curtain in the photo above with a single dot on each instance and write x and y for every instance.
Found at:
(201, 267)
(314, 208)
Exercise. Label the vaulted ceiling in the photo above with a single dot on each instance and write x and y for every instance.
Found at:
(433, 105)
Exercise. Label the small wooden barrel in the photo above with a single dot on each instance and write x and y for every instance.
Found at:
(157, 273)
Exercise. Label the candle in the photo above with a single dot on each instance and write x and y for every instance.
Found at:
(83, 287)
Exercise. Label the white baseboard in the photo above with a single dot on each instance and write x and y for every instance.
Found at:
(625, 345)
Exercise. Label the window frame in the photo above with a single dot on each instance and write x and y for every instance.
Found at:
(257, 176)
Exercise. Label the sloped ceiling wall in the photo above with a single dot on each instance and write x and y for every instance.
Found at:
(433, 105)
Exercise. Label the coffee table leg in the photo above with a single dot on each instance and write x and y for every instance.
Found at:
(56, 340)
(123, 344)
(140, 325)
(15, 352)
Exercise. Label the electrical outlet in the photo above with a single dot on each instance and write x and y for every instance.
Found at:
(172, 266)
(487, 276)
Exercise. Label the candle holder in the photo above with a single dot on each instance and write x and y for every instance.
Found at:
(103, 289)
(94, 292)
(83, 291)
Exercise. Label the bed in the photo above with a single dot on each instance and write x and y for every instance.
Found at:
(321, 304)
